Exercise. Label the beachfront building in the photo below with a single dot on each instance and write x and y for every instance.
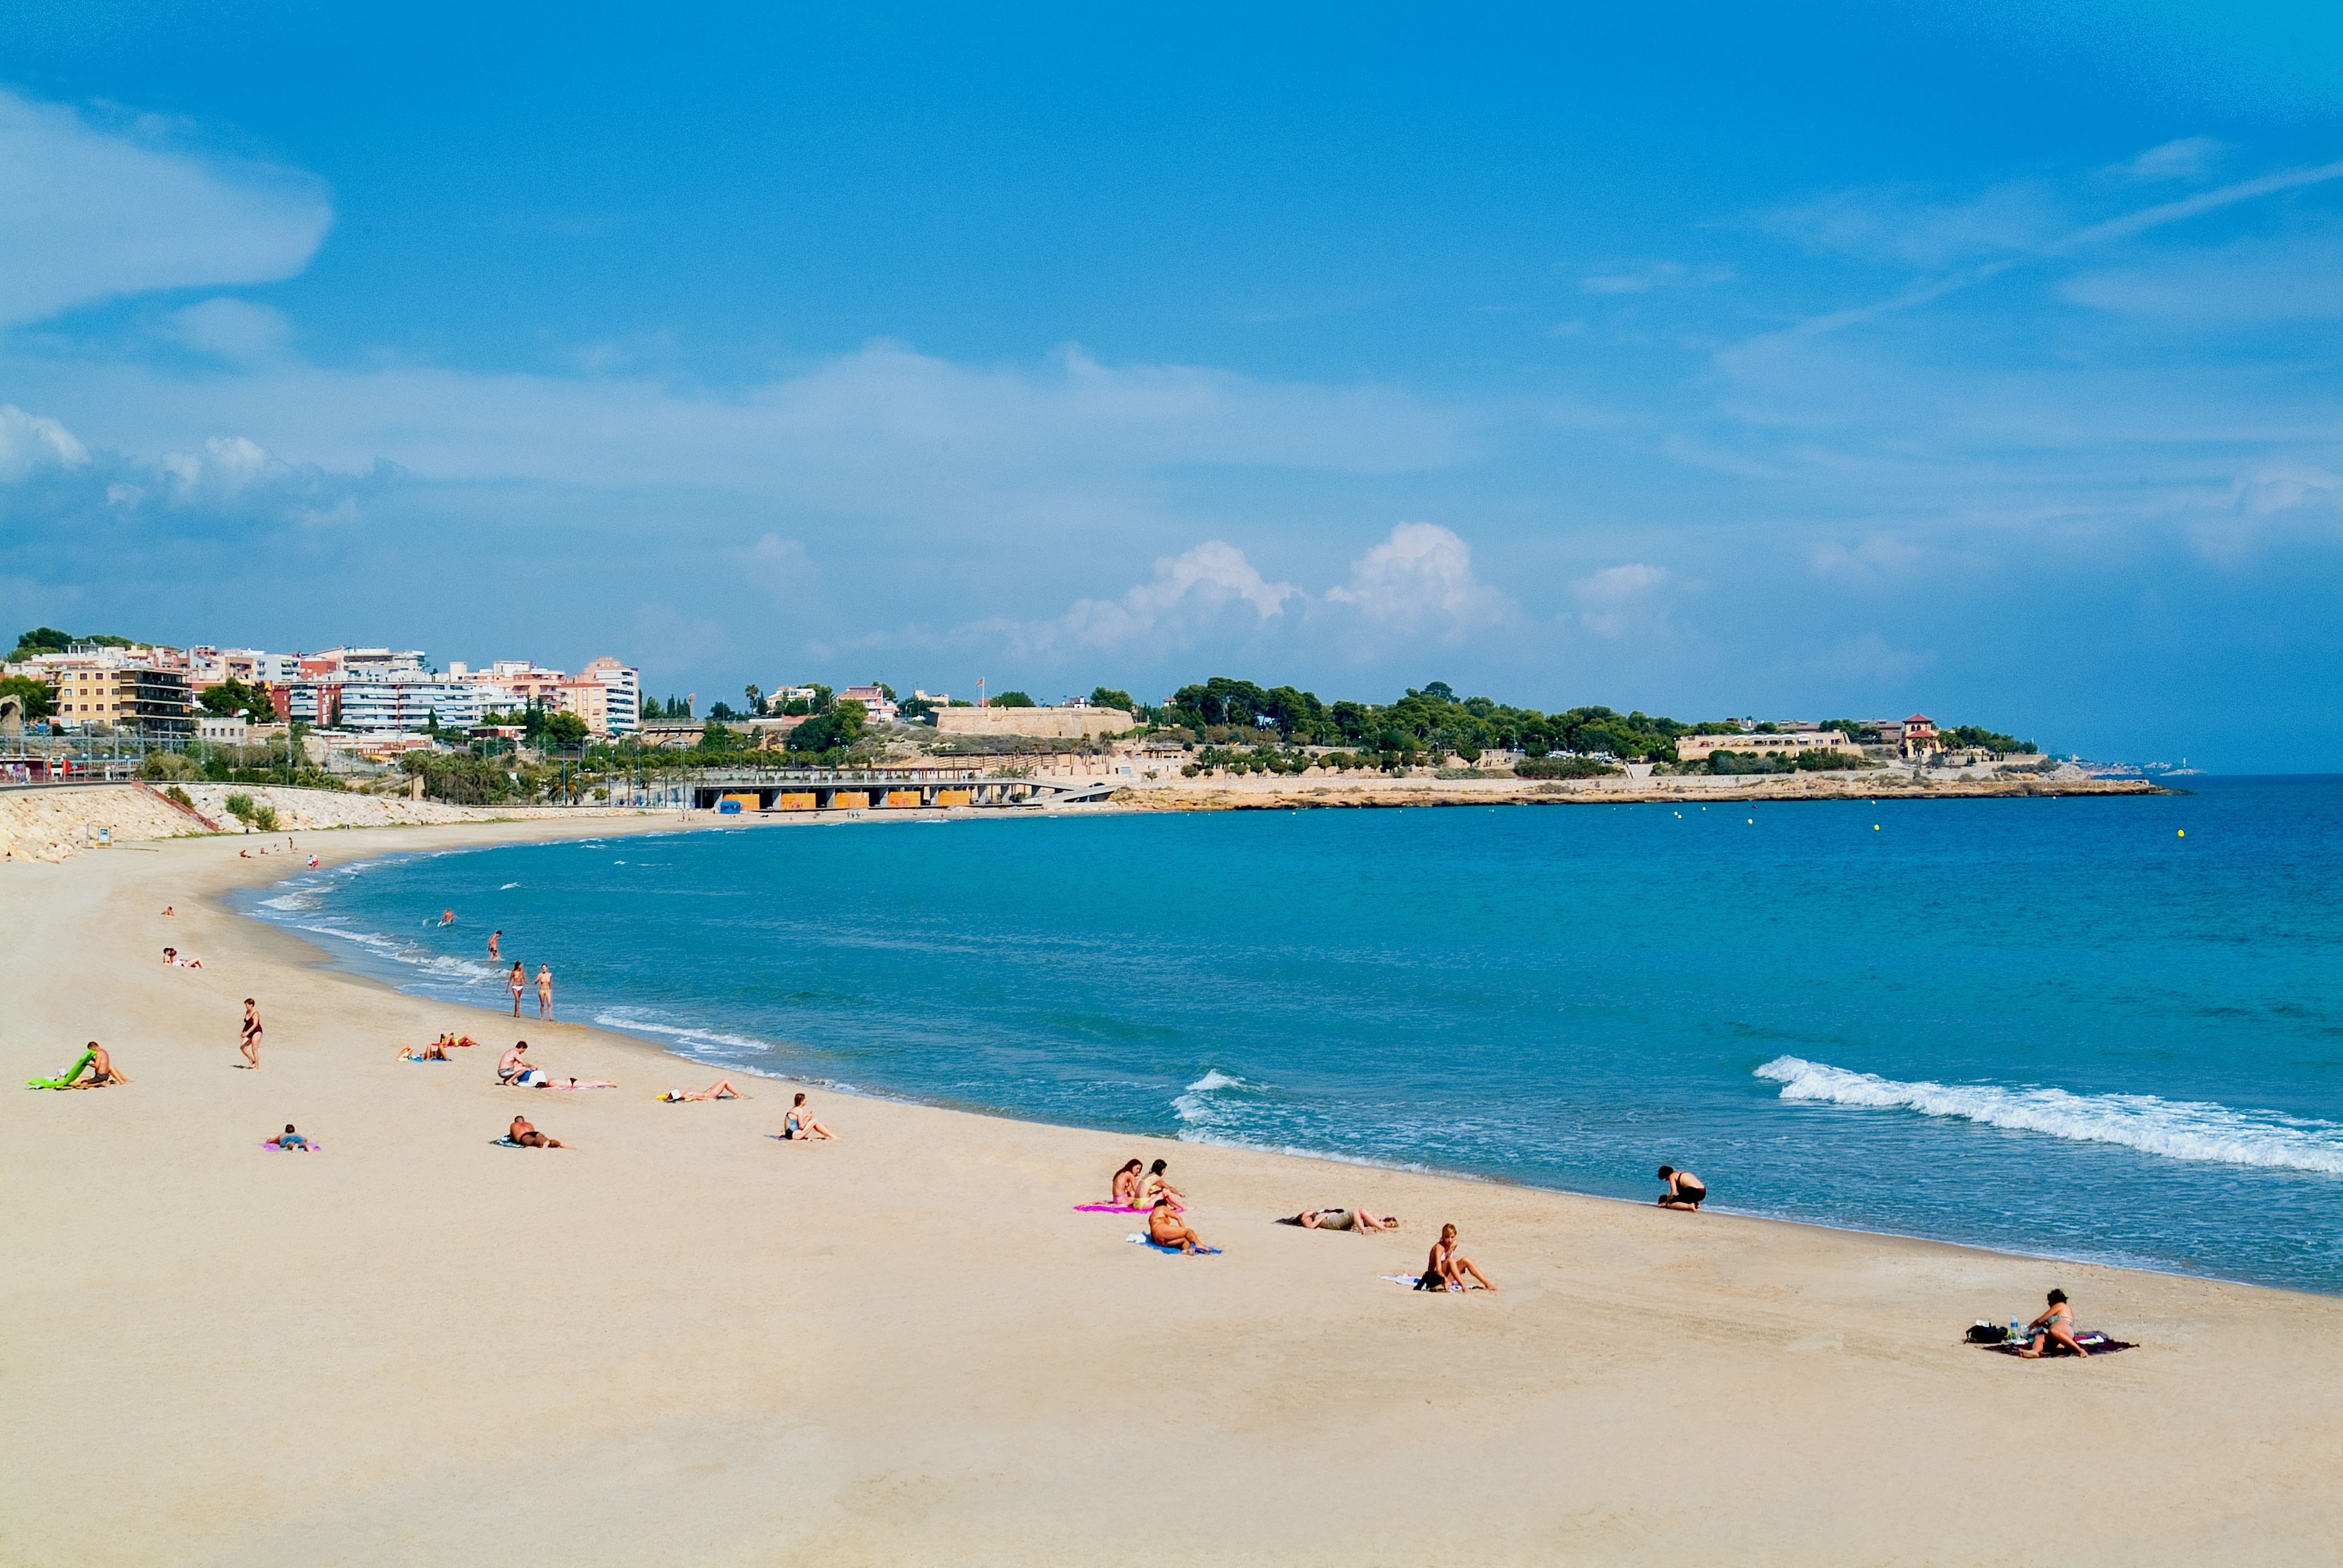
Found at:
(525, 682)
(1919, 737)
(208, 667)
(318, 703)
(138, 699)
(622, 699)
(1049, 723)
(415, 703)
(1787, 743)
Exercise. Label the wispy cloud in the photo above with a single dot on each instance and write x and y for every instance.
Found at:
(2186, 158)
(90, 212)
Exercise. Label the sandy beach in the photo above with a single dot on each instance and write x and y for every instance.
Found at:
(682, 1340)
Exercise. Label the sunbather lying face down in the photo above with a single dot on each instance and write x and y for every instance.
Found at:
(521, 1133)
(1166, 1229)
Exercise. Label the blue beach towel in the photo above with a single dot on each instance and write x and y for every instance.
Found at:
(1146, 1240)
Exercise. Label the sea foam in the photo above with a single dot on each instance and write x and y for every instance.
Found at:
(2174, 1128)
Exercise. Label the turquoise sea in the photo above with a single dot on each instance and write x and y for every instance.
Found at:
(2098, 1029)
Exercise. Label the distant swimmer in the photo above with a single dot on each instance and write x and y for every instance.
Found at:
(494, 938)
(447, 917)
(518, 982)
(545, 992)
(1685, 1191)
(249, 1041)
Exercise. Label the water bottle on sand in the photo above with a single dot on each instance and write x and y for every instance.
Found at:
(2017, 1331)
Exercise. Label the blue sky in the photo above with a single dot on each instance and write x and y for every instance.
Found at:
(1794, 361)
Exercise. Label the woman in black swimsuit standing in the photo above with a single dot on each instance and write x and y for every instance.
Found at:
(250, 1042)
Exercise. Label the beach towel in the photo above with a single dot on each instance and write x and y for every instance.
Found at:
(274, 1147)
(1410, 1280)
(1107, 1209)
(440, 1059)
(71, 1073)
(1144, 1240)
(2091, 1340)
(507, 1143)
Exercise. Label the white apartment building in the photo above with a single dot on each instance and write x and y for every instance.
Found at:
(412, 704)
(622, 702)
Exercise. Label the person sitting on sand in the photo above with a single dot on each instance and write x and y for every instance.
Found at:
(1166, 1229)
(173, 958)
(528, 1137)
(1152, 1186)
(2056, 1326)
(166, 911)
(1685, 1191)
(100, 1067)
(1355, 1220)
(290, 1140)
(436, 1052)
(720, 1090)
(799, 1124)
(1451, 1266)
(514, 1063)
(1126, 1185)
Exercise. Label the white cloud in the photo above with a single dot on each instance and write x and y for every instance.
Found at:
(1899, 224)
(88, 214)
(1421, 574)
(778, 566)
(1617, 600)
(1872, 563)
(1187, 590)
(233, 329)
(2238, 284)
(1657, 275)
(2184, 159)
(30, 441)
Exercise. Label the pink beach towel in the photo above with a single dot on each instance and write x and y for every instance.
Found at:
(1107, 1209)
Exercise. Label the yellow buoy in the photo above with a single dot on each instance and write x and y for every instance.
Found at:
(1874, 826)
(1752, 821)
(2182, 831)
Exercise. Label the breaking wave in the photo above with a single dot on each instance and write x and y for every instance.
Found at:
(2174, 1128)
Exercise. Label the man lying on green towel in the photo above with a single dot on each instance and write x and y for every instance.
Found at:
(99, 1064)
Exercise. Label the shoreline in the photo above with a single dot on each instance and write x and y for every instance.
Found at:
(328, 960)
(680, 1340)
